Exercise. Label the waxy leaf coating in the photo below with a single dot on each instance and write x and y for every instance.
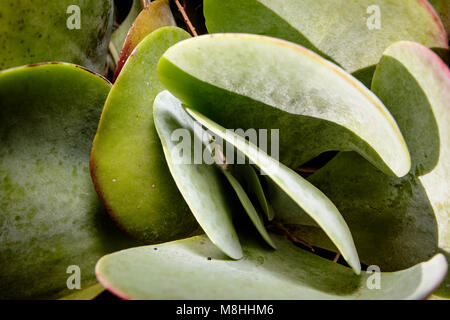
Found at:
(250, 81)
(50, 216)
(127, 161)
(202, 184)
(353, 34)
(194, 269)
(398, 222)
(311, 199)
(63, 30)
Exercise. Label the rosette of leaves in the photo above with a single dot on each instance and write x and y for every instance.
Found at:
(294, 66)
(211, 88)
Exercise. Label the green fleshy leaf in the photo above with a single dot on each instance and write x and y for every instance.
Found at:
(253, 214)
(311, 199)
(50, 215)
(337, 29)
(119, 35)
(253, 186)
(154, 16)
(399, 222)
(443, 9)
(85, 294)
(38, 31)
(127, 162)
(194, 269)
(200, 184)
(226, 77)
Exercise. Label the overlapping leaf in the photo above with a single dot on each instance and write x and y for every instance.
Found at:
(50, 215)
(399, 222)
(194, 269)
(196, 171)
(249, 81)
(443, 9)
(127, 161)
(353, 34)
(201, 184)
(152, 17)
(308, 197)
(120, 34)
(41, 30)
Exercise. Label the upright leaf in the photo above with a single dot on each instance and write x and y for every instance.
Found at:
(311, 199)
(201, 184)
(152, 17)
(119, 35)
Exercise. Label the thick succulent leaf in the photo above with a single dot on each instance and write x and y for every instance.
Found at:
(36, 31)
(85, 294)
(194, 269)
(50, 215)
(227, 75)
(311, 199)
(152, 17)
(399, 222)
(253, 214)
(339, 30)
(119, 35)
(253, 186)
(127, 161)
(443, 9)
(201, 185)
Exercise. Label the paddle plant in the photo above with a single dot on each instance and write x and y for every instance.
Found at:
(225, 149)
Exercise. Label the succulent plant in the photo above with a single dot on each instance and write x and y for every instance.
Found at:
(137, 183)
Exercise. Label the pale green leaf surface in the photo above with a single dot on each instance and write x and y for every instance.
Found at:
(200, 184)
(194, 269)
(253, 214)
(250, 81)
(253, 186)
(311, 199)
(339, 30)
(398, 222)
